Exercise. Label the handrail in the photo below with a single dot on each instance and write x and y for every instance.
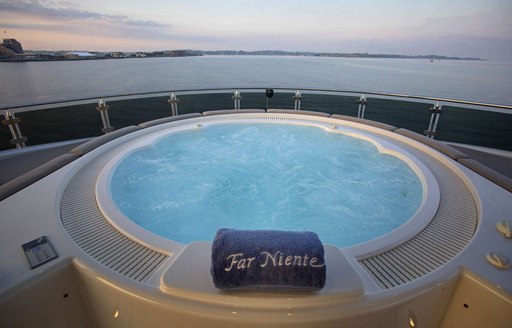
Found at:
(17, 108)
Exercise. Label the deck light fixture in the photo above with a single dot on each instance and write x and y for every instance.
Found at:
(412, 319)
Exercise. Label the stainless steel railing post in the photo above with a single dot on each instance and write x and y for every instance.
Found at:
(12, 123)
(103, 109)
(297, 98)
(434, 119)
(236, 99)
(174, 104)
(362, 106)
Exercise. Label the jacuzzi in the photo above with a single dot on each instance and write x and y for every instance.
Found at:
(137, 277)
(164, 180)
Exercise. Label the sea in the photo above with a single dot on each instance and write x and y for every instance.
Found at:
(39, 82)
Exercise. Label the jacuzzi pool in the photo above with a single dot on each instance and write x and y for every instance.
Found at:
(360, 276)
(184, 185)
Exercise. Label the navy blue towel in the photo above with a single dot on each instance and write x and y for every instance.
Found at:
(267, 259)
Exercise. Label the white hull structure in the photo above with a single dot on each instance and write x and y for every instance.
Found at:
(436, 271)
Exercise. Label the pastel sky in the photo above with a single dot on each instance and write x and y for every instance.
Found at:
(472, 28)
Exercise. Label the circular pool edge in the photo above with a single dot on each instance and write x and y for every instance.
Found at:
(180, 275)
(418, 221)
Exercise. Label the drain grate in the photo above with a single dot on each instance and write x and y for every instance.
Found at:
(446, 235)
(86, 225)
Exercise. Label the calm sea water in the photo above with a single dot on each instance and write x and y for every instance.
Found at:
(482, 81)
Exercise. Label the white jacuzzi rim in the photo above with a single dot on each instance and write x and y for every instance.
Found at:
(424, 214)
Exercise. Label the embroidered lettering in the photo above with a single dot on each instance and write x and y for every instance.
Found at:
(234, 260)
(241, 263)
(269, 256)
(278, 259)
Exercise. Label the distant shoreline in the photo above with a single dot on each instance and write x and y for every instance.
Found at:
(38, 56)
(332, 54)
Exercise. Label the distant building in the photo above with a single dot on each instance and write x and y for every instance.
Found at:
(78, 55)
(11, 48)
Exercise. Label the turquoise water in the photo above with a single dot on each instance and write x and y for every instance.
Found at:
(265, 176)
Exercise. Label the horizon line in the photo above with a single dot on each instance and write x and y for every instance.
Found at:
(284, 52)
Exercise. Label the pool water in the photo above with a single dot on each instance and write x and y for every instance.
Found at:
(265, 176)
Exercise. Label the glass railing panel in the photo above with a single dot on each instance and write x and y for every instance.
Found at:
(5, 136)
(457, 124)
(332, 104)
(135, 111)
(198, 103)
(410, 115)
(475, 127)
(251, 100)
(281, 100)
(55, 124)
(258, 100)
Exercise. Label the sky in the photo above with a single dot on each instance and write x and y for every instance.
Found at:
(464, 28)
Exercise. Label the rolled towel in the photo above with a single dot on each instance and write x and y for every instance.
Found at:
(267, 259)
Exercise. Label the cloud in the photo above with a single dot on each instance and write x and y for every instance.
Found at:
(68, 21)
(61, 14)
